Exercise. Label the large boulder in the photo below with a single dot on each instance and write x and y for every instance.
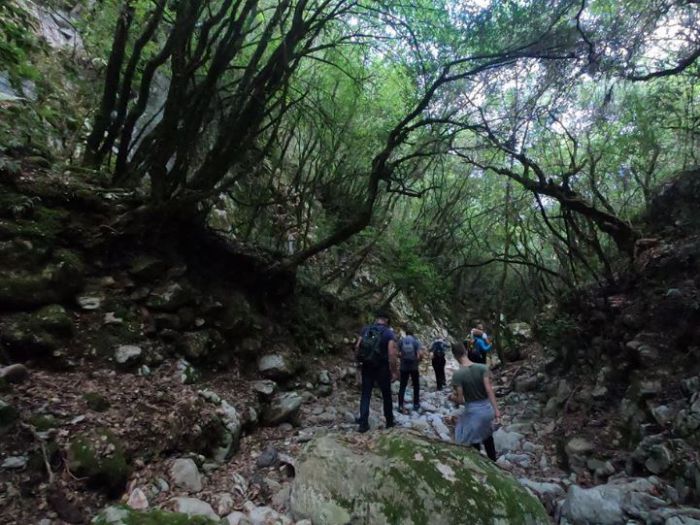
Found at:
(185, 475)
(400, 477)
(615, 502)
(57, 282)
(37, 333)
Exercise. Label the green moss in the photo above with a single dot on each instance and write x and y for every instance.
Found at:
(107, 471)
(43, 422)
(41, 223)
(122, 515)
(96, 402)
(476, 489)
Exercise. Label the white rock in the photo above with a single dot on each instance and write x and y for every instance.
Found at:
(237, 518)
(137, 500)
(193, 507)
(185, 475)
(224, 503)
(507, 441)
(127, 354)
(89, 302)
(14, 462)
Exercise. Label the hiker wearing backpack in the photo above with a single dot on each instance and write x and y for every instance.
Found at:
(438, 349)
(377, 354)
(480, 344)
(410, 354)
(473, 388)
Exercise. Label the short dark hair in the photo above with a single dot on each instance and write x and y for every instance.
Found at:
(458, 350)
(408, 329)
(383, 314)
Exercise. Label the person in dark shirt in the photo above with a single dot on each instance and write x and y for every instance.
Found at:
(411, 353)
(377, 352)
(438, 349)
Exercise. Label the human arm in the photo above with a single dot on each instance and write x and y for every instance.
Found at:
(457, 396)
(482, 345)
(393, 354)
(492, 397)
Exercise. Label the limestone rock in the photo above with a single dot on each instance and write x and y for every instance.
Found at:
(236, 518)
(193, 507)
(137, 500)
(127, 356)
(264, 515)
(276, 366)
(610, 504)
(121, 515)
(169, 298)
(14, 463)
(583, 506)
(267, 458)
(507, 441)
(14, 373)
(185, 475)
(324, 377)
(282, 408)
(265, 388)
(577, 452)
(402, 478)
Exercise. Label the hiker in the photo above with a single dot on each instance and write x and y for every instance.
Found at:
(472, 387)
(480, 345)
(377, 354)
(410, 351)
(438, 349)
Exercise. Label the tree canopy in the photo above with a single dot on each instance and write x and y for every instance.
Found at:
(487, 152)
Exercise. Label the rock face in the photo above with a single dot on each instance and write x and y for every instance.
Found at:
(518, 336)
(403, 478)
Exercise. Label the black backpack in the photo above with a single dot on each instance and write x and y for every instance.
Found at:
(371, 345)
(439, 348)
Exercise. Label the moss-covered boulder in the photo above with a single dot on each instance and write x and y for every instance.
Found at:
(99, 458)
(35, 333)
(402, 478)
(58, 281)
(122, 515)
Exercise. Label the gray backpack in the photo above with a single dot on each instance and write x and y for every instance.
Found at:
(409, 352)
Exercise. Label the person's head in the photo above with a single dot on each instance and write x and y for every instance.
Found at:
(480, 326)
(408, 329)
(458, 350)
(382, 317)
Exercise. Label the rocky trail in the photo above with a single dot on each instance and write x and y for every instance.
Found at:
(247, 477)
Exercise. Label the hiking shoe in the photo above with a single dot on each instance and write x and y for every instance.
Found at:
(363, 428)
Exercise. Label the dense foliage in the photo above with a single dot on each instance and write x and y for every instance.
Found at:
(489, 155)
